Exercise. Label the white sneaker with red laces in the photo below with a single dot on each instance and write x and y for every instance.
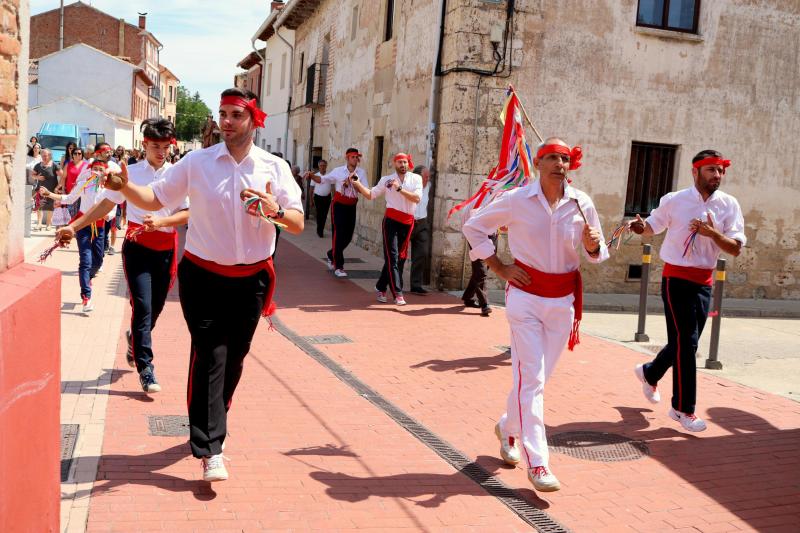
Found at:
(87, 305)
(509, 450)
(650, 392)
(689, 422)
(543, 480)
(381, 296)
(399, 300)
(214, 468)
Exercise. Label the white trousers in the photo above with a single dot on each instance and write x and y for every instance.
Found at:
(540, 328)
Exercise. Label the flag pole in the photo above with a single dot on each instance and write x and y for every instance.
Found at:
(535, 131)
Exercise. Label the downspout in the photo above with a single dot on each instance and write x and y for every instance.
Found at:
(61, 27)
(434, 116)
(263, 70)
(291, 87)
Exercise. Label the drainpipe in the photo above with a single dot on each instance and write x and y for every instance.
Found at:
(291, 88)
(434, 116)
(263, 81)
(61, 27)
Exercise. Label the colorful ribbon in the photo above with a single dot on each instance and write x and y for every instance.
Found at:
(616, 236)
(255, 205)
(688, 244)
(49, 251)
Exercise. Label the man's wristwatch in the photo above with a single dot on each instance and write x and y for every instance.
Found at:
(279, 213)
(400, 187)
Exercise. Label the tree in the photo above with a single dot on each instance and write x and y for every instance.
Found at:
(190, 115)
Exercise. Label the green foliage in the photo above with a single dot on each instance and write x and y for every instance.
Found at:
(190, 115)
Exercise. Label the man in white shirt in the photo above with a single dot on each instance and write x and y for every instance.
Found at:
(420, 235)
(236, 190)
(546, 220)
(700, 222)
(321, 197)
(91, 238)
(149, 254)
(402, 190)
(343, 208)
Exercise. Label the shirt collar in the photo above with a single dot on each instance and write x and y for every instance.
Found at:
(699, 196)
(223, 150)
(535, 188)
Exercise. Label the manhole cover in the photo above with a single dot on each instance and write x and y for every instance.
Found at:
(68, 306)
(168, 425)
(364, 274)
(327, 339)
(349, 260)
(69, 437)
(597, 446)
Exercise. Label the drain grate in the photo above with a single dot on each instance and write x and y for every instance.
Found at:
(364, 274)
(531, 515)
(68, 306)
(69, 437)
(168, 425)
(349, 260)
(327, 339)
(598, 446)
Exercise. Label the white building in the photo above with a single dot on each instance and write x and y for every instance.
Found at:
(80, 78)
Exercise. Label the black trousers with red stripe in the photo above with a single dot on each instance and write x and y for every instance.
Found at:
(148, 275)
(222, 314)
(686, 307)
(395, 237)
(343, 224)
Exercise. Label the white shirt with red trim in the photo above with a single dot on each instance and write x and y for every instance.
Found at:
(220, 230)
(677, 209)
(394, 199)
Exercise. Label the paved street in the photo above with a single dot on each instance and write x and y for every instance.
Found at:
(332, 436)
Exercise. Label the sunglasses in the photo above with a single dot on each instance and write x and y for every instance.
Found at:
(77, 153)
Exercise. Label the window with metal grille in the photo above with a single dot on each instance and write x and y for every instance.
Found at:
(650, 176)
(311, 78)
(389, 29)
(674, 15)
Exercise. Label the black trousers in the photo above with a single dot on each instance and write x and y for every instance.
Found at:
(395, 235)
(420, 244)
(686, 307)
(343, 223)
(147, 272)
(476, 288)
(222, 314)
(321, 206)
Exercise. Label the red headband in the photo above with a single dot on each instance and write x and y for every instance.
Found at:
(712, 161)
(100, 163)
(172, 140)
(250, 105)
(574, 154)
(104, 149)
(407, 157)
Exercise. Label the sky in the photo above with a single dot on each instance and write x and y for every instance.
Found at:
(203, 39)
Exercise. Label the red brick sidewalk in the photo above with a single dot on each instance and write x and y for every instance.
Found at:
(308, 453)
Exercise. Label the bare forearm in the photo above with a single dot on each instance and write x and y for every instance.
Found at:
(294, 221)
(414, 197)
(180, 218)
(97, 212)
(143, 197)
(494, 263)
(366, 193)
(726, 244)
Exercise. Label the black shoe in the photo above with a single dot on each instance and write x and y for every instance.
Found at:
(471, 303)
(129, 354)
(148, 381)
(486, 311)
(420, 291)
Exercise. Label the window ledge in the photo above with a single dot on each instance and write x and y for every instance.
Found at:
(669, 34)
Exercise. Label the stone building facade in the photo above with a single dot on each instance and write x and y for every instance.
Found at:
(641, 91)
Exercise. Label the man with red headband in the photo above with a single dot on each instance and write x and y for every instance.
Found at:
(547, 221)
(91, 238)
(238, 193)
(149, 254)
(343, 207)
(700, 222)
(403, 191)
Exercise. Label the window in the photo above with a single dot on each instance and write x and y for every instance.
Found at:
(354, 24)
(278, 149)
(378, 158)
(283, 70)
(269, 79)
(675, 15)
(269, 148)
(171, 96)
(650, 176)
(302, 64)
(389, 20)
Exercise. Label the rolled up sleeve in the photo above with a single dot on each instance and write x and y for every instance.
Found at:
(659, 217)
(485, 222)
(736, 229)
(173, 187)
(594, 222)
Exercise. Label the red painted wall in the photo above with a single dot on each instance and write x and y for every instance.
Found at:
(30, 386)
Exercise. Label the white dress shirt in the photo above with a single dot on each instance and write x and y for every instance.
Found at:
(544, 239)
(338, 176)
(92, 194)
(677, 209)
(142, 173)
(421, 210)
(394, 199)
(323, 188)
(220, 230)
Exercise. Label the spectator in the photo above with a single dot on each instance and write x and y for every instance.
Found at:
(34, 140)
(134, 158)
(420, 235)
(69, 176)
(119, 154)
(66, 157)
(34, 157)
(46, 174)
(88, 152)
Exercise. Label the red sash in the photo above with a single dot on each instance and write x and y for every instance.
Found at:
(403, 218)
(701, 276)
(241, 271)
(159, 241)
(340, 198)
(556, 286)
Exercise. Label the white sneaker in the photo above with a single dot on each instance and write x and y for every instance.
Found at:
(399, 300)
(689, 422)
(650, 392)
(330, 263)
(87, 305)
(509, 450)
(339, 273)
(100, 269)
(381, 296)
(214, 468)
(543, 480)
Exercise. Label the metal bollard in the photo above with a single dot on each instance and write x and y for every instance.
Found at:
(641, 336)
(716, 317)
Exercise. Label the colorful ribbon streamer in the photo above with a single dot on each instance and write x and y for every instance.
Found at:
(688, 244)
(255, 205)
(49, 251)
